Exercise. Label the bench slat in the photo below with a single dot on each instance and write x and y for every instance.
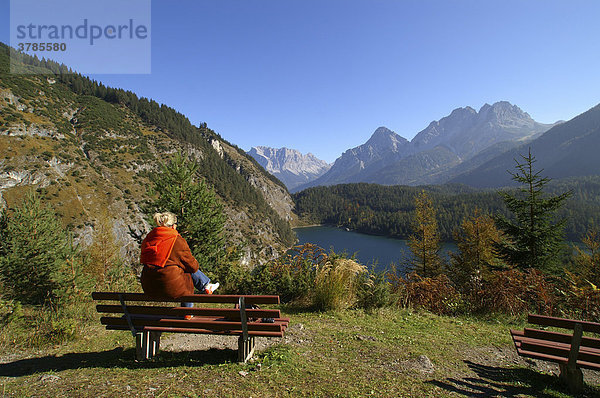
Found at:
(195, 298)
(203, 323)
(544, 320)
(557, 359)
(560, 337)
(518, 339)
(559, 350)
(254, 333)
(230, 313)
(553, 344)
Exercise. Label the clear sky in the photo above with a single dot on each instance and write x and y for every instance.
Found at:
(321, 75)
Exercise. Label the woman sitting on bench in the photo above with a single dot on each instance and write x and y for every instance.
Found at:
(170, 269)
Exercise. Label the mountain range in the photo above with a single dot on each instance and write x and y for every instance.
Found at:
(444, 149)
(290, 166)
(569, 149)
(447, 150)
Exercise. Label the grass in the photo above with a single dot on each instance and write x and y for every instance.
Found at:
(343, 354)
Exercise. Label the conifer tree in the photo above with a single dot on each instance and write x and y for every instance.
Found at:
(36, 263)
(199, 213)
(424, 242)
(534, 238)
(476, 240)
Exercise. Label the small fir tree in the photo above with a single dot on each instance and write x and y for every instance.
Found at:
(200, 217)
(424, 242)
(38, 265)
(534, 240)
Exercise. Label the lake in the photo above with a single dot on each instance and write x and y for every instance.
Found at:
(369, 249)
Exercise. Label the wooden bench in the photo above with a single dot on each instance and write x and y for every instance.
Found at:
(147, 318)
(572, 351)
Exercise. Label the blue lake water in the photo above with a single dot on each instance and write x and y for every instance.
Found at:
(369, 249)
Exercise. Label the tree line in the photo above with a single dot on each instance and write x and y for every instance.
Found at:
(388, 210)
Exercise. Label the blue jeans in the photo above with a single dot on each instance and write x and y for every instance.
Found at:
(200, 280)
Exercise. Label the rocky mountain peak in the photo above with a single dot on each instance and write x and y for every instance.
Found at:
(462, 112)
(289, 165)
(504, 113)
(385, 139)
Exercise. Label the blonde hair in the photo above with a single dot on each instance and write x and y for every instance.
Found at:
(166, 219)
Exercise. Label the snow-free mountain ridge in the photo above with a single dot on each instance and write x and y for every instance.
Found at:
(430, 157)
(569, 149)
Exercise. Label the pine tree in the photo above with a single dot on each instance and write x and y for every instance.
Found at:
(199, 213)
(475, 240)
(534, 240)
(424, 242)
(37, 264)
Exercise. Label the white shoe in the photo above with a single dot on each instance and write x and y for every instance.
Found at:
(209, 288)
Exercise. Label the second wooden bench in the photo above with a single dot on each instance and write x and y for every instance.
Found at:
(572, 351)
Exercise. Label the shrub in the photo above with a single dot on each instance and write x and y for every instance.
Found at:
(515, 292)
(336, 283)
(433, 294)
(291, 276)
(233, 276)
(374, 291)
(579, 297)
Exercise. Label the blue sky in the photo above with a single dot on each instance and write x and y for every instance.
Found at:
(321, 75)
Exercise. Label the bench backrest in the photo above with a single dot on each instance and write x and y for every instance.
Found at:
(195, 298)
(586, 326)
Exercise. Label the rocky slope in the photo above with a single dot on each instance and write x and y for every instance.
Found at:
(288, 165)
(87, 158)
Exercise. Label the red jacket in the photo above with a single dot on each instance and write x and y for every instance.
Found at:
(173, 279)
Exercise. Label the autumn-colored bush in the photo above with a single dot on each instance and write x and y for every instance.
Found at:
(433, 294)
(579, 297)
(515, 292)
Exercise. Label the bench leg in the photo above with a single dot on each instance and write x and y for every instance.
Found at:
(245, 348)
(143, 346)
(573, 377)
(154, 343)
(139, 343)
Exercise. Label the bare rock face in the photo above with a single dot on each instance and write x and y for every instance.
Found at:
(290, 166)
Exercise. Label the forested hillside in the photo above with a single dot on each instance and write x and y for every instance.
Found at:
(87, 148)
(388, 210)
